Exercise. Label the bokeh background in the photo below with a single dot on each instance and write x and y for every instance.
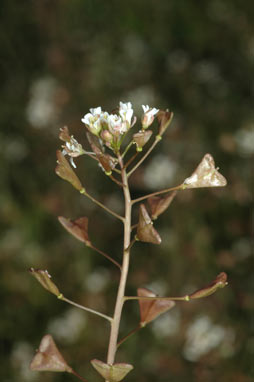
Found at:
(59, 58)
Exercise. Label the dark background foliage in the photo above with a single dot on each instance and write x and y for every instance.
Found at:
(58, 59)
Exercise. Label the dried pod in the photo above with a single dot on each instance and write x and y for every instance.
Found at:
(78, 228)
(159, 204)
(205, 175)
(112, 373)
(48, 357)
(64, 134)
(141, 138)
(95, 142)
(219, 282)
(145, 230)
(151, 309)
(64, 170)
(164, 118)
(44, 279)
(107, 162)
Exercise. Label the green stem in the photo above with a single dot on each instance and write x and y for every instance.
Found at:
(105, 255)
(61, 297)
(84, 192)
(112, 347)
(127, 149)
(183, 298)
(157, 139)
(180, 187)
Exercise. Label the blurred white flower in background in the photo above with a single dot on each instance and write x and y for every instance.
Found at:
(160, 172)
(245, 141)
(97, 280)
(21, 357)
(41, 109)
(67, 327)
(201, 337)
(167, 324)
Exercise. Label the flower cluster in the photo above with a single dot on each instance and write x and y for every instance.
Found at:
(111, 128)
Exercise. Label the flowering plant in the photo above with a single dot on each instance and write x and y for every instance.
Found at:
(107, 135)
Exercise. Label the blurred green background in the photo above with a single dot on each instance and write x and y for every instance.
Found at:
(59, 58)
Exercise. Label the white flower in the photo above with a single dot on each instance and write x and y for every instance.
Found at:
(96, 111)
(116, 125)
(73, 149)
(148, 116)
(92, 120)
(126, 112)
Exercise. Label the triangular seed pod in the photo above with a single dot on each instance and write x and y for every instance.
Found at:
(141, 138)
(44, 279)
(145, 230)
(219, 282)
(151, 309)
(112, 373)
(48, 357)
(64, 170)
(159, 204)
(205, 175)
(78, 228)
(107, 162)
(164, 118)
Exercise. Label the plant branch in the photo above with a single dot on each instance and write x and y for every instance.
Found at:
(131, 159)
(183, 298)
(78, 376)
(84, 192)
(129, 335)
(180, 187)
(105, 255)
(157, 139)
(127, 149)
(61, 297)
(116, 181)
(112, 347)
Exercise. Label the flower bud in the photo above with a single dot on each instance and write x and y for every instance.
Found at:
(219, 282)
(148, 116)
(44, 279)
(106, 136)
